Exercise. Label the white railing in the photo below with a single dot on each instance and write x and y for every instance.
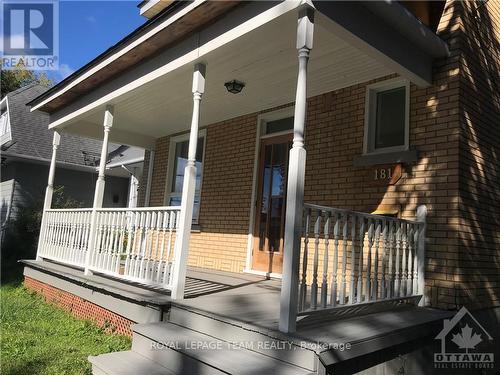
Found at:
(133, 244)
(351, 258)
(64, 235)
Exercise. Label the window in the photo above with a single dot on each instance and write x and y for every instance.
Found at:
(177, 161)
(387, 117)
(5, 132)
(276, 122)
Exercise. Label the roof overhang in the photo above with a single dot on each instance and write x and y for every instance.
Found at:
(175, 23)
(353, 44)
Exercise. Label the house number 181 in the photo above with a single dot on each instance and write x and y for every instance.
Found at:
(383, 174)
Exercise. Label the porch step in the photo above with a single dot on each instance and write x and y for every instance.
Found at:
(126, 363)
(261, 340)
(185, 351)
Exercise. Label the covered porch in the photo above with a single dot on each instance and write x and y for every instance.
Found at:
(335, 260)
(242, 312)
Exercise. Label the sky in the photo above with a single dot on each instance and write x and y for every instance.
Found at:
(88, 28)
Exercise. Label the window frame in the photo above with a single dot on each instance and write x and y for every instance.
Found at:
(5, 137)
(371, 113)
(202, 133)
(279, 114)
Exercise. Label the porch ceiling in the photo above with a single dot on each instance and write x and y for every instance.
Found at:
(265, 59)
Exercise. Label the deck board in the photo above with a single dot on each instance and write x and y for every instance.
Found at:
(252, 302)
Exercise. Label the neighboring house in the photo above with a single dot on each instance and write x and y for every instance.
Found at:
(340, 186)
(26, 149)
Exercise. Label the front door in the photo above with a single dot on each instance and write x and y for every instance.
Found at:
(270, 206)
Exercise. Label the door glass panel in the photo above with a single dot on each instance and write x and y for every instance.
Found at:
(275, 224)
(279, 169)
(266, 177)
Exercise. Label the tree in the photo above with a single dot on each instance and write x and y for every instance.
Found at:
(13, 79)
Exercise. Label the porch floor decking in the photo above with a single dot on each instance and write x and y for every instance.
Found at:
(252, 303)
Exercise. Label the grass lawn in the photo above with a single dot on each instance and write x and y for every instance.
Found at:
(37, 338)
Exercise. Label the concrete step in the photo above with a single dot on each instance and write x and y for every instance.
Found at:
(188, 352)
(270, 343)
(126, 363)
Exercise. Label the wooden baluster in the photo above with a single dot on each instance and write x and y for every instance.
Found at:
(303, 283)
(86, 235)
(336, 230)
(111, 237)
(71, 239)
(343, 276)
(324, 285)
(156, 260)
(161, 244)
(409, 275)
(383, 289)
(415, 260)
(79, 236)
(353, 259)
(121, 242)
(375, 262)
(136, 244)
(95, 254)
(130, 226)
(397, 283)
(369, 261)
(57, 234)
(60, 234)
(115, 251)
(391, 258)
(142, 251)
(155, 246)
(314, 285)
(149, 248)
(404, 272)
(107, 232)
(168, 262)
(360, 267)
(102, 244)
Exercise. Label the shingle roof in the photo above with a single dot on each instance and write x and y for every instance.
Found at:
(32, 138)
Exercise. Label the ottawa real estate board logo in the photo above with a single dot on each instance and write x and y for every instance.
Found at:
(464, 344)
(30, 34)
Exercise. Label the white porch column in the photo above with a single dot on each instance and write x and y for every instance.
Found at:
(188, 190)
(100, 183)
(296, 175)
(422, 218)
(49, 191)
(99, 186)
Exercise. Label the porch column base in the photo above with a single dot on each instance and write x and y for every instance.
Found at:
(293, 232)
(182, 241)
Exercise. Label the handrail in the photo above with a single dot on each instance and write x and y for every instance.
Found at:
(364, 214)
(116, 209)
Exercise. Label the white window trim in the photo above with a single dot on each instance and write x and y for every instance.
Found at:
(202, 133)
(370, 112)
(7, 136)
(262, 119)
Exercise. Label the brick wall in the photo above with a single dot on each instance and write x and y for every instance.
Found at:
(80, 308)
(478, 263)
(334, 138)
